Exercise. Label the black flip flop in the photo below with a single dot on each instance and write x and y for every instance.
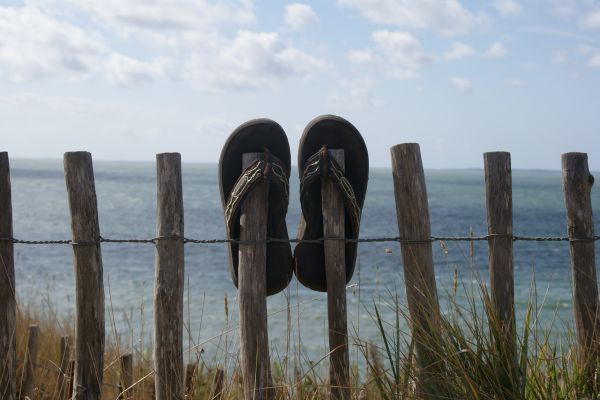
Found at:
(322, 133)
(258, 136)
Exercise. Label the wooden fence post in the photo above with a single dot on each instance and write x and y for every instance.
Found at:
(28, 388)
(218, 385)
(63, 364)
(332, 206)
(89, 286)
(413, 224)
(577, 185)
(190, 371)
(168, 289)
(8, 375)
(252, 290)
(498, 191)
(71, 379)
(126, 376)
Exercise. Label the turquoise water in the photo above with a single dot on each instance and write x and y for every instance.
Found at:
(127, 205)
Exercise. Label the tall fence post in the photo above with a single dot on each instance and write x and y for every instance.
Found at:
(413, 224)
(28, 388)
(332, 206)
(252, 289)
(168, 289)
(577, 185)
(498, 195)
(89, 286)
(8, 375)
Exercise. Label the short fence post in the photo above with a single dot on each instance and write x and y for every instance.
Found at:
(190, 371)
(63, 364)
(168, 289)
(413, 223)
(71, 378)
(577, 185)
(498, 191)
(332, 206)
(218, 385)
(89, 286)
(28, 388)
(8, 375)
(252, 289)
(126, 375)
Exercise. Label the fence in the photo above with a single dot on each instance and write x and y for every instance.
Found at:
(81, 373)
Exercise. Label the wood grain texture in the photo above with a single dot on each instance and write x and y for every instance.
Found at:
(412, 211)
(89, 284)
(169, 279)
(190, 372)
(332, 206)
(252, 290)
(8, 377)
(126, 376)
(577, 186)
(28, 385)
(498, 196)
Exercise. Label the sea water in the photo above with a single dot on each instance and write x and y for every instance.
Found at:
(126, 193)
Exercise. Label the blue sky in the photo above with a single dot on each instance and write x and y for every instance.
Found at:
(126, 79)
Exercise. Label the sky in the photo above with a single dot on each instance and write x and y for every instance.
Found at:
(126, 79)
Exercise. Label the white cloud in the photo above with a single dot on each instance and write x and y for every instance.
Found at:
(595, 61)
(398, 55)
(403, 53)
(462, 84)
(34, 45)
(559, 58)
(496, 50)
(563, 8)
(592, 20)
(126, 71)
(445, 16)
(514, 82)
(458, 51)
(298, 15)
(250, 60)
(179, 40)
(507, 7)
(355, 95)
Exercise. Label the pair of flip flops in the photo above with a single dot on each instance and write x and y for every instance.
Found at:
(266, 136)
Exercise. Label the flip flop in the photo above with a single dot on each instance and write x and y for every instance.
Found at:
(322, 133)
(258, 136)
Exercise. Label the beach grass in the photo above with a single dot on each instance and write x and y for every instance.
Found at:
(470, 359)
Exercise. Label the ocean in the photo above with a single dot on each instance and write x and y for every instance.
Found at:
(126, 193)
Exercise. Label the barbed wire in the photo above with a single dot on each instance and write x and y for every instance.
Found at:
(396, 239)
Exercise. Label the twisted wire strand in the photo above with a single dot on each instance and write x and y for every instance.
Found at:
(397, 239)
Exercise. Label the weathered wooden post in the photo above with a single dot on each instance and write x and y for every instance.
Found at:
(89, 286)
(63, 364)
(415, 230)
(126, 376)
(252, 289)
(28, 388)
(217, 386)
(498, 190)
(168, 288)
(8, 375)
(334, 231)
(71, 379)
(190, 371)
(577, 185)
